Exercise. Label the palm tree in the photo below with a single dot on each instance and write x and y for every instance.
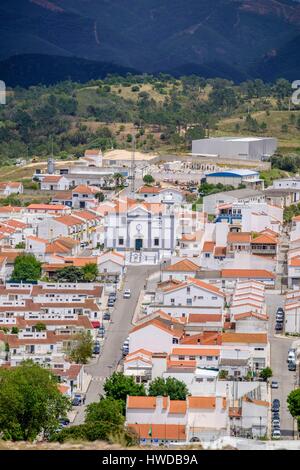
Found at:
(118, 178)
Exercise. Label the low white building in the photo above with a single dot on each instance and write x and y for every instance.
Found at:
(54, 183)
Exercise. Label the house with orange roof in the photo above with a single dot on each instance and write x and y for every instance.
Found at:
(54, 183)
(92, 158)
(63, 226)
(84, 196)
(111, 265)
(44, 250)
(180, 270)
(239, 242)
(190, 243)
(191, 296)
(264, 244)
(12, 187)
(162, 336)
(231, 276)
(159, 419)
(160, 195)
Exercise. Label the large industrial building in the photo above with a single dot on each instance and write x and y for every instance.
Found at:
(238, 148)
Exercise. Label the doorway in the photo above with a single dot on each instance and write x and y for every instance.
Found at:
(138, 244)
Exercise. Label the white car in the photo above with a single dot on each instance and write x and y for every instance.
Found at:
(127, 294)
(274, 384)
(276, 434)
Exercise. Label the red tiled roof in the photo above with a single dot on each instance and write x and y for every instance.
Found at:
(159, 431)
(208, 247)
(248, 273)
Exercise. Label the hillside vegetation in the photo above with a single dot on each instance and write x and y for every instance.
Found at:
(164, 113)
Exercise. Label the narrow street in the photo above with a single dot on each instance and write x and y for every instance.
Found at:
(116, 334)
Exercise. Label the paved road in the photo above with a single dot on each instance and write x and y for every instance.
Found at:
(116, 334)
(279, 352)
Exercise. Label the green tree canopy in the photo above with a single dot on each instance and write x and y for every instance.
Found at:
(26, 268)
(174, 388)
(90, 272)
(293, 402)
(148, 179)
(30, 402)
(81, 348)
(70, 274)
(118, 386)
(106, 410)
(266, 373)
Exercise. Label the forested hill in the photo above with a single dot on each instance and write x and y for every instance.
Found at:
(227, 38)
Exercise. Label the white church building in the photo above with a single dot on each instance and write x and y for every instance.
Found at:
(141, 227)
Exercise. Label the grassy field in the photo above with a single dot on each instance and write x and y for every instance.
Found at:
(288, 142)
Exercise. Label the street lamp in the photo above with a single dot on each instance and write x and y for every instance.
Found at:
(260, 418)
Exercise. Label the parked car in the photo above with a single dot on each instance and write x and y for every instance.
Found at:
(292, 355)
(276, 434)
(126, 294)
(274, 384)
(276, 405)
(106, 316)
(110, 303)
(278, 326)
(280, 310)
(292, 366)
(63, 422)
(275, 422)
(96, 349)
(279, 318)
(101, 331)
(78, 400)
(275, 416)
(113, 296)
(125, 347)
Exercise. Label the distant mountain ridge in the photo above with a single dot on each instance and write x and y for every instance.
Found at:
(236, 39)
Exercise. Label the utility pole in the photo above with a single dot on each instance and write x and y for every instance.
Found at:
(133, 166)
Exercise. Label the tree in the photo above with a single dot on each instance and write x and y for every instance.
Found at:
(148, 179)
(118, 177)
(106, 410)
(90, 272)
(70, 274)
(14, 330)
(118, 386)
(40, 327)
(20, 246)
(30, 402)
(26, 268)
(293, 402)
(174, 388)
(266, 373)
(81, 348)
(100, 196)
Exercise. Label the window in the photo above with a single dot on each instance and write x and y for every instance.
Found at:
(172, 301)
(156, 241)
(214, 298)
(192, 358)
(207, 255)
(259, 349)
(209, 358)
(181, 358)
(200, 297)
(188, 290)
(175, 340)
(189, 301)
(121, 241)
